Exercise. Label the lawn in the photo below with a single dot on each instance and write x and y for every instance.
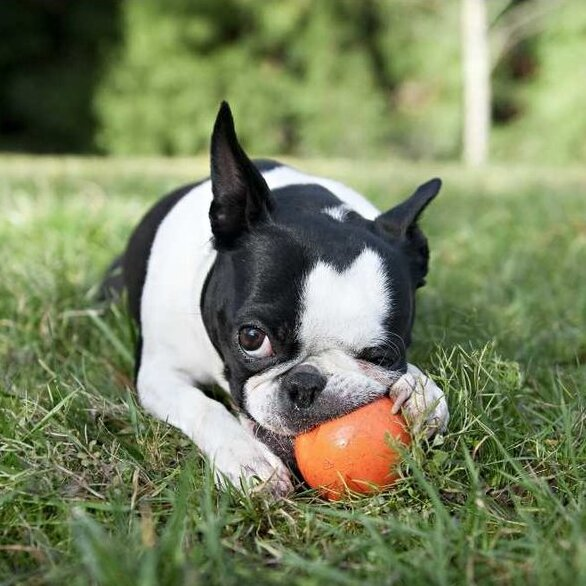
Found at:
(94, 491)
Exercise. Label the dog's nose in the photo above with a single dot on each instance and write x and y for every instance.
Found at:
(303, 384)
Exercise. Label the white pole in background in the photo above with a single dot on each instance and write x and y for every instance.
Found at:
(476, 77)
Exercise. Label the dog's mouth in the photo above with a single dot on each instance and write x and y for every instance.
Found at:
(269, 406)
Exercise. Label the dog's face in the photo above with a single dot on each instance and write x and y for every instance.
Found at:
(311, 315)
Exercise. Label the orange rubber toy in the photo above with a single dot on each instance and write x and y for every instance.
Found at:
(353, 452)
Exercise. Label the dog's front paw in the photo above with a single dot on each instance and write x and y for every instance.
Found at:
(422, 401)
(249, 464)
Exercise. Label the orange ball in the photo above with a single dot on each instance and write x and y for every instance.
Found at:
(353, 452)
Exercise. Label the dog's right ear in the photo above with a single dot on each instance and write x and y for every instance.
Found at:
(241, 195)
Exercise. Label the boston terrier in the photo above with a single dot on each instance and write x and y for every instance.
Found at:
(292, 293)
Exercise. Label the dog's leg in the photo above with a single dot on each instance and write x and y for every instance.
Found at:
(422, 401)
(235, 454)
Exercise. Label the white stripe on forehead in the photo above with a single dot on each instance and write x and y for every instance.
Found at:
(345, 309)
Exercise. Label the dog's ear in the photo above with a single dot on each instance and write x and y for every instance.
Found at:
(241, 195)
(402, 219)
(400, 225)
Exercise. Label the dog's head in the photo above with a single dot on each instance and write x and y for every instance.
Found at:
(312, 315)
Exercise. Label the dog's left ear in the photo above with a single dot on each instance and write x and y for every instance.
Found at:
(241, 195)
(400, 225)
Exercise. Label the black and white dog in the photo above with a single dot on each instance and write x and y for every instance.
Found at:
(290, 292)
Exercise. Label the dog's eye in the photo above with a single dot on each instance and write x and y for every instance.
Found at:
(254, 342)
(382, 356)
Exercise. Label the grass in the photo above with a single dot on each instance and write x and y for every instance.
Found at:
(94, 491)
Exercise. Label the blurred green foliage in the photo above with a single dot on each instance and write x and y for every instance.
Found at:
(550, 124)
(303, 77)
(335, 77)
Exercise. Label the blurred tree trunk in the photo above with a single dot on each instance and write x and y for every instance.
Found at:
(476, 76)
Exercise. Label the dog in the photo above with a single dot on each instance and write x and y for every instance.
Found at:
(291, 293)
